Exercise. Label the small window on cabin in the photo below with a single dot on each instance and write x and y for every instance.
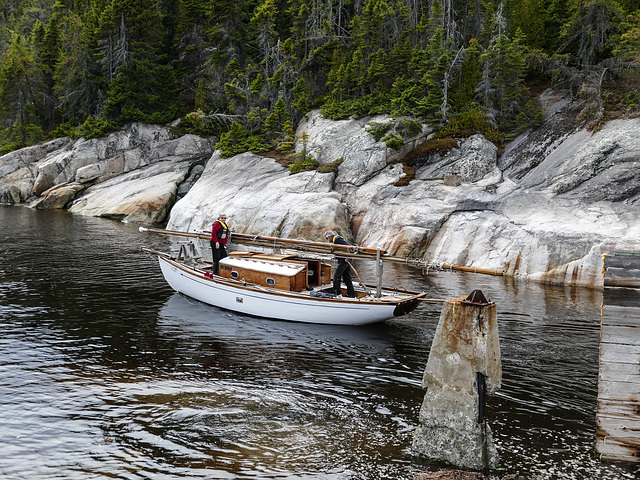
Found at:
(270, 281)
(235, 274)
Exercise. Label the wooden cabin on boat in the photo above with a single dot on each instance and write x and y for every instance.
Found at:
(281, 271)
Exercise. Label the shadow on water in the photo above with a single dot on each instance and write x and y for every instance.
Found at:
(105, 372)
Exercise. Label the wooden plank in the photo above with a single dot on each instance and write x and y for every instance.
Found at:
(318, 272)
(623, 391)
(624, 297)
(620, 315)
(621, 272)
(618, 410)
(623, 372)
(290, 276)
(618, 432)
(621, 278)
(629, 262)
(622, 269)
(613, 353)
(617, 407)
(619, 426)
(620, 334)
(617, 449)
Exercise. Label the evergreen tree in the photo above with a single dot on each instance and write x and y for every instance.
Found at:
(465, 83)
(529, 17)
(588, 35)
(77, 81)
(142, 86)
(194, 47)
(20, 81)
(503, 83)
(628, 45)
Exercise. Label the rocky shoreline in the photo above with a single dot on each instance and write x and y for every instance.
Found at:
(545, 210)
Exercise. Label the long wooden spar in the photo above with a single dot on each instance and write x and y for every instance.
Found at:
(350, 251)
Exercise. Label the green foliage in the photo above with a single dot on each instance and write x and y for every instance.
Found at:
(238, 140)
(627, 46)
(20, 135)
(458, 66)
(378, 130)
(468, 123)
(303, 163)
(631, 99)
(257, 84)
(301, 95)
(287, 141)
(394, 133)
(332, 167)
(66, 130)
(408, 127)
(393, 141)
(97, 127)
(234, 141)
(303, 160)
(195, 122)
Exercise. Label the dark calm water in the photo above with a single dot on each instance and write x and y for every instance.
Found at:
(106, 373)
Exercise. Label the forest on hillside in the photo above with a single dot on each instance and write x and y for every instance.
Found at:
(248, 70)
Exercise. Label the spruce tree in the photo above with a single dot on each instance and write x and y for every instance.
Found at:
(21, 84)
(142, 85)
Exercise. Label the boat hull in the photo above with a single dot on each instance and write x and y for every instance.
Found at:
(269, 303)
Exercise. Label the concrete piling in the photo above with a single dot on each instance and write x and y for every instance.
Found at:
(463, 367)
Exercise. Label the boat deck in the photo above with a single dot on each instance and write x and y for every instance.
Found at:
(364, 293)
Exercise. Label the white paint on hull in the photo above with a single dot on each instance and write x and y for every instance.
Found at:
(265, 302)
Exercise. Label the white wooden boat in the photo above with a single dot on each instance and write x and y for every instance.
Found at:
(288, 286)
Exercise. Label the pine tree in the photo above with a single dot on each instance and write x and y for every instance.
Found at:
(628, 45)
(20, 78)
(142, 85)
(193, 44)
(503, 83)
(588, 35)
(74, 90)
(465, 83)
(529, 17)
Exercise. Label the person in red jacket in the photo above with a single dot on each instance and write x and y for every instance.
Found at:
(219, 235)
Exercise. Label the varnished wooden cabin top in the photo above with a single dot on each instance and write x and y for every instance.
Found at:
(290, 276)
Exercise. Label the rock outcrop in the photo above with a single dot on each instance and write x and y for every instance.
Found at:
(546, 209)
(261, 197)
(133, 175)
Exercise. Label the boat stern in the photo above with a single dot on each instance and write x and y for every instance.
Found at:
(408, 305)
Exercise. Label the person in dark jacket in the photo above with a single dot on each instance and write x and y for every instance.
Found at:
(343, 270)
(219, 235)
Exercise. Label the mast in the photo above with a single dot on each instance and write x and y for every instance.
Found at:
(350, 251)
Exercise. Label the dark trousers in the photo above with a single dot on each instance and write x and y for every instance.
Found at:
(343, 273)
(217, 255)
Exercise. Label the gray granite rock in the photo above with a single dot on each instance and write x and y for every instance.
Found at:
(545, 210)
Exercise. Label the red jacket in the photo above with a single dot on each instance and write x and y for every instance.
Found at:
(220, 232)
